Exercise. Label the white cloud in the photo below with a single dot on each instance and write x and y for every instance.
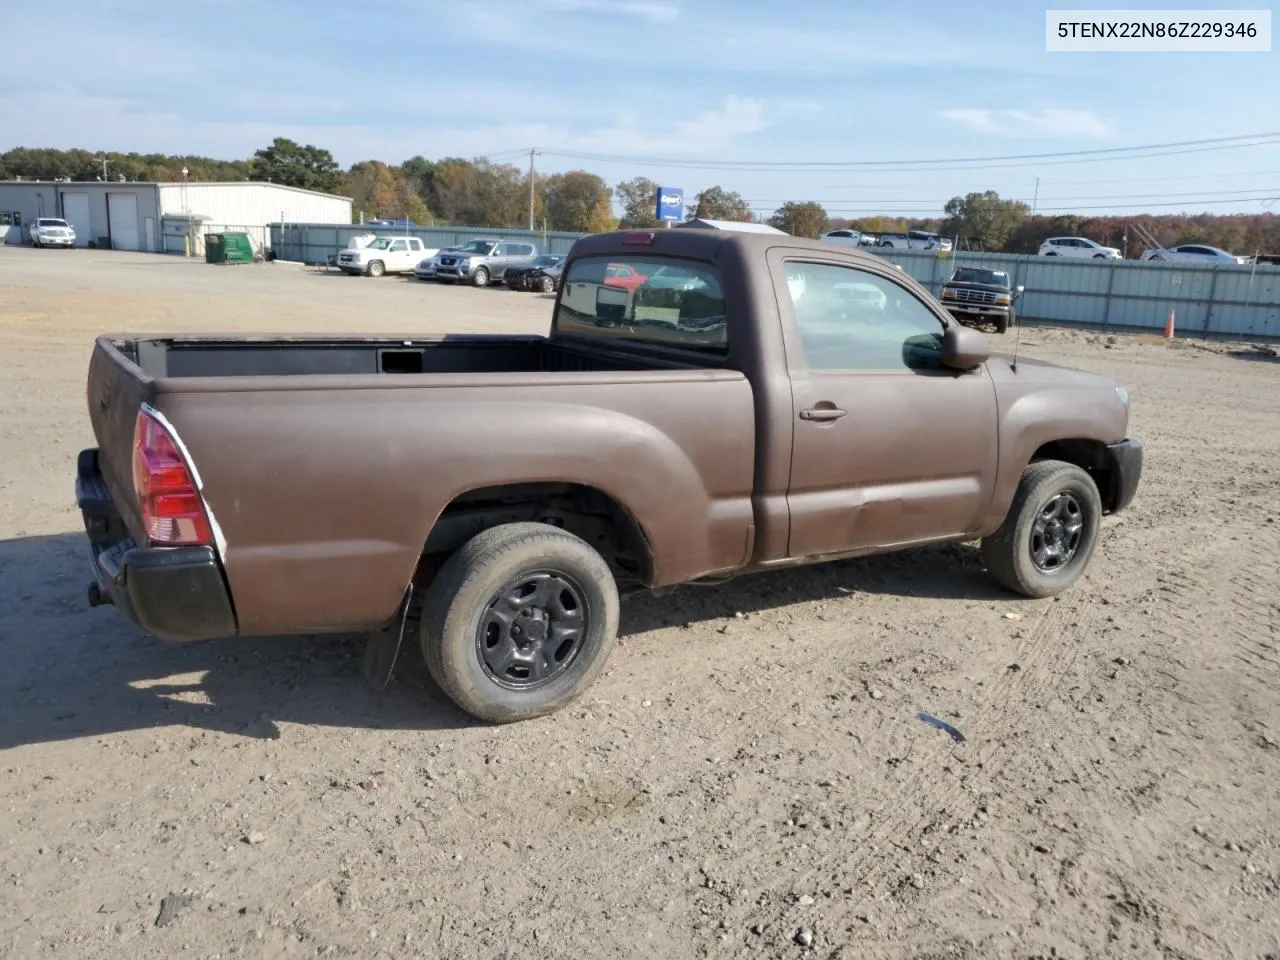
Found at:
(1049, 122)
(66, 118)
(645, 10)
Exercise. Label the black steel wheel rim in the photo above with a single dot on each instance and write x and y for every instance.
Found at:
(533, 629)
(1057, 533)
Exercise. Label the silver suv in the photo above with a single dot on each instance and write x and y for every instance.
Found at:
(483, 261)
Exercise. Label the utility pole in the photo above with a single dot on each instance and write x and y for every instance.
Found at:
(1036, 197)
(532, 151)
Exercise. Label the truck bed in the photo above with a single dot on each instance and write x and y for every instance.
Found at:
(188, 357)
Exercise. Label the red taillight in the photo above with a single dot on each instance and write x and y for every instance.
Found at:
(639, 239)
(172, 512)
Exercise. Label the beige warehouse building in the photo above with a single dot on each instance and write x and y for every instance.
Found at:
(162, 217)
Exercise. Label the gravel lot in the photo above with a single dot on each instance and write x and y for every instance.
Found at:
(749, 778)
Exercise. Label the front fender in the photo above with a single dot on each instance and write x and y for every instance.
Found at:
(1032, 415)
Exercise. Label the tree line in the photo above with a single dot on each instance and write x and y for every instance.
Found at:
(481, 193)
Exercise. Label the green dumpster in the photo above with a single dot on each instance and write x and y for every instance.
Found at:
(228, 248)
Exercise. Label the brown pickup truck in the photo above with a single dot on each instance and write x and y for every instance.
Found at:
(705, 404)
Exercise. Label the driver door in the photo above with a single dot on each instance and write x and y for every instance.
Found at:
(889, 446)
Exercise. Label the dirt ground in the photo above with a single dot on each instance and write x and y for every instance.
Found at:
(749, 778)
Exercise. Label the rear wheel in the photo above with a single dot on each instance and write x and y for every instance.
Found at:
(547, 284)
(377, 268)
(519, 621)
(1050, 532)
(481, 277)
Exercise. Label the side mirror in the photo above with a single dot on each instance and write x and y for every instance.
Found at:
(1018, 290)
(964, 348)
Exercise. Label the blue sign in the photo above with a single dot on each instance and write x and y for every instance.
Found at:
(670, 203)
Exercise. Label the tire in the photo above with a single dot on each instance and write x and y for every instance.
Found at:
(1009, 553)
(501, 561)
(1099, 256)
(547, 285)
(481, 277)
(376, 268)
(1157, 258)
(1002, 324)
(1051, 253)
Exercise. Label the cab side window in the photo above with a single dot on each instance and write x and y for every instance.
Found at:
(399, 246)
(853, 320)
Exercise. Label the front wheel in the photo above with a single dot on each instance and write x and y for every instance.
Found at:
(377, 268)
(548, 284)
(481, 277)
(1050, 532)
(519, 621)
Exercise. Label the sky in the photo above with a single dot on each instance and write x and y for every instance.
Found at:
(687, 92)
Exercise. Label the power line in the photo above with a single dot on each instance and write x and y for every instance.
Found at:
(1175, 148)
(936, 211)
(1105, 196)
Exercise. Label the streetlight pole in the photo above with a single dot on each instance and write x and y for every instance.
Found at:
(532, 152)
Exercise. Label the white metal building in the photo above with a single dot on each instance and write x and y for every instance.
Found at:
(162, 217)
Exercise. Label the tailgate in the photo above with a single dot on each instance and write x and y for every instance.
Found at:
(116, 389)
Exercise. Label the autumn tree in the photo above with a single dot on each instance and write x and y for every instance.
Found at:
(984, 217)
(297, 165)
(578, 201)
(717, 203)
(639, 198)
(383, 192)
(800, 219)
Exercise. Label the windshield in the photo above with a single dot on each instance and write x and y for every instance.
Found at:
(51, 223)
(477, 246)
(993, 278)
(617, 299)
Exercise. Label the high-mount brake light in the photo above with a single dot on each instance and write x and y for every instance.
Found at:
(639, 239)
(172, 512)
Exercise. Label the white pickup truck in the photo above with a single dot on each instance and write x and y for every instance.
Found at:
(914, 240)
(384, 255)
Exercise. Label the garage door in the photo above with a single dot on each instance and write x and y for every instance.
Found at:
(122, 208)
(75, 210)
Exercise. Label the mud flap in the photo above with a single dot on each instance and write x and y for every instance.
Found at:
(382, 647)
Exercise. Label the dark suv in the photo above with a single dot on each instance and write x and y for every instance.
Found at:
(975, 295)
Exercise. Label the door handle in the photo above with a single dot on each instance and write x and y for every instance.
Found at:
(822, 413)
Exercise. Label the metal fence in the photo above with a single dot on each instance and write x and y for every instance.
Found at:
(313, 242)
(1209, 300)
(184, 239)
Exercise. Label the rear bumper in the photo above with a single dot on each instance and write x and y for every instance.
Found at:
(1124, 461)
(173, 593)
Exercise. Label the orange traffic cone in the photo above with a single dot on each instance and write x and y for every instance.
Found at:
(1168, 324)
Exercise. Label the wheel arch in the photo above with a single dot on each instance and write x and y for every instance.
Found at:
(1090, 456)
(597, 516)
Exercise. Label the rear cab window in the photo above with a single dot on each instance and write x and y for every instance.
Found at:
(662, 301)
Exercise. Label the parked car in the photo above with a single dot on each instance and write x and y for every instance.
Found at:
(480, 262)
(516, 485)
(975, 295)
(1193, 253)
(383, 255)
(914, 240)
(538, 275)
(1078, 247)
(426, 268)
(51, 232)
(849, 238)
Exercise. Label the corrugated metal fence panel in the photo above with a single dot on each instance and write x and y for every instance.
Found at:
(313, 242)
(1212, 300)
